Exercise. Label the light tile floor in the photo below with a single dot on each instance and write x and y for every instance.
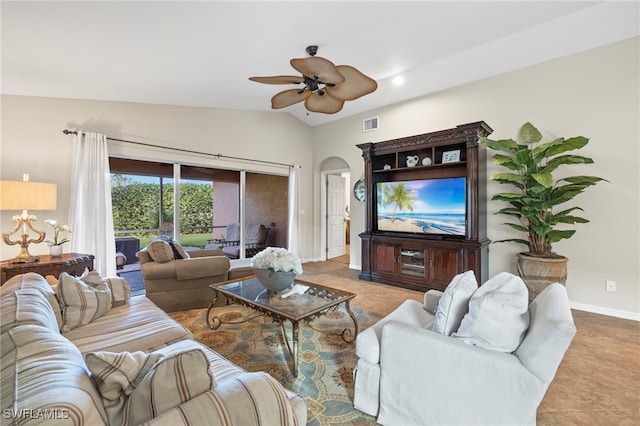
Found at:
(597, 383)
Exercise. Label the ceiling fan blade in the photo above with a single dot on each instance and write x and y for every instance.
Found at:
(279, 79)
(355, 84)
(317, 66)
(288, 97)
(325, 104)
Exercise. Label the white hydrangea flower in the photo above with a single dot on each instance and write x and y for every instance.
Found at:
(277, 259)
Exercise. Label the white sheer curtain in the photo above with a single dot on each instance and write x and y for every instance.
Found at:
(91, 216)
(293, 242)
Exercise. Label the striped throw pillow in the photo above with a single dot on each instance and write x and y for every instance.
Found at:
(116, 376)
(43, 372)
(136, 387)
(120, 288)
(38, 282)
(81, 302)
(249, 399)
(27, 306)
(160, 251)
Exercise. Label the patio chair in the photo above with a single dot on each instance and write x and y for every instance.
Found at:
(255, 240)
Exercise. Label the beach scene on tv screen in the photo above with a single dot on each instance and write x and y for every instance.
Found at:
(431, 206)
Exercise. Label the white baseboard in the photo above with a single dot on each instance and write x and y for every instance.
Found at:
(606, 311)
(579, 306)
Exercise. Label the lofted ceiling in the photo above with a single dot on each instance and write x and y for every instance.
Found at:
(202, 53)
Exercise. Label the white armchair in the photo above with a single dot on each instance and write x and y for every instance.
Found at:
(409, 375)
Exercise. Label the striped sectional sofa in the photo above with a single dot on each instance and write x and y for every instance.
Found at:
(83, 352)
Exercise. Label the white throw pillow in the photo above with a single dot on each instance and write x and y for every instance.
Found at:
(454, 303)
(498, 314)
(81, 302)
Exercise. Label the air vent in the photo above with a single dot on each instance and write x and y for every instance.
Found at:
(370, 124)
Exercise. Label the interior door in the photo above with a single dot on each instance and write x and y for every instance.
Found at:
(336, 203)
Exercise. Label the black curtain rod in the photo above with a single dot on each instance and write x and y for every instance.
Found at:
(188, 151)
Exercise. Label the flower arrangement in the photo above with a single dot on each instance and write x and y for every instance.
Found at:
(57, 228)
(277, 259)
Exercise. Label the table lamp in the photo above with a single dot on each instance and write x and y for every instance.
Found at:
(24, 195)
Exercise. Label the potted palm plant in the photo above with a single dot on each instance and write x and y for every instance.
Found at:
(536, 201)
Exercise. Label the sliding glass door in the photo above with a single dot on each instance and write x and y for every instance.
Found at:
(266, 202)
(193, 205)
(199, 206)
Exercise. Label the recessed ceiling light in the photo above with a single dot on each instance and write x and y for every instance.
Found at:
(398, 80)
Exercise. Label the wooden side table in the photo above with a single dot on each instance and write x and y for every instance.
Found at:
(72, 263)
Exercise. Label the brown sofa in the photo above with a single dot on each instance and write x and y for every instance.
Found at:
(177, 280)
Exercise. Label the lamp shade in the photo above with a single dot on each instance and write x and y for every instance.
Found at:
(20, 195)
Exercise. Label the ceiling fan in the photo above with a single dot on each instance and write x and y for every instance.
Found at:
(326, 86)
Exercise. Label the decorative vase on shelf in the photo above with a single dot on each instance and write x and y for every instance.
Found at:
(55, 250)
(275, 280)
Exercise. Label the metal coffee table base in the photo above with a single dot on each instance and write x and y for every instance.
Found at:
(214, 322)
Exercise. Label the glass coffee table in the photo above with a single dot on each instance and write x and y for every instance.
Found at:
(304, 302)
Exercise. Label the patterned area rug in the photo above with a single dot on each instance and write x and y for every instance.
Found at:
(326, 362)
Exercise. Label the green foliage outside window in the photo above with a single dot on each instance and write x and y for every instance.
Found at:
(136, 205)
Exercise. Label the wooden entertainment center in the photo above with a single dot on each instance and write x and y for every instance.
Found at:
(427, 260)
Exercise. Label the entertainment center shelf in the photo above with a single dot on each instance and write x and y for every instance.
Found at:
(406, 243)
(426, 157)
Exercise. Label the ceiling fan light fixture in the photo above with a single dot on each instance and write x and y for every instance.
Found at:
(327, 86)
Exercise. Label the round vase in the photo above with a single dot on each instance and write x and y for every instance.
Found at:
(275, 280)
(55, 250)
(539, 272)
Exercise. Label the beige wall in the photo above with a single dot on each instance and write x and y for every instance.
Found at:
(594, 94)
(33, 142)
(226, 208)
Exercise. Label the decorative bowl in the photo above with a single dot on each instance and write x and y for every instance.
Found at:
(274, 280)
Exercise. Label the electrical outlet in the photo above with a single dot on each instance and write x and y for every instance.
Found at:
(611, 285)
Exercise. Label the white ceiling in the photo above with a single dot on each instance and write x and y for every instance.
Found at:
(202, 53)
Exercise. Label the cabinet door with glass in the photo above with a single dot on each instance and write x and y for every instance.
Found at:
(412, 261)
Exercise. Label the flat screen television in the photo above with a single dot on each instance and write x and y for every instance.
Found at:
(427, 206)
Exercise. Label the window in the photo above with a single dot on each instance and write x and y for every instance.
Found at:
(197, 210)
